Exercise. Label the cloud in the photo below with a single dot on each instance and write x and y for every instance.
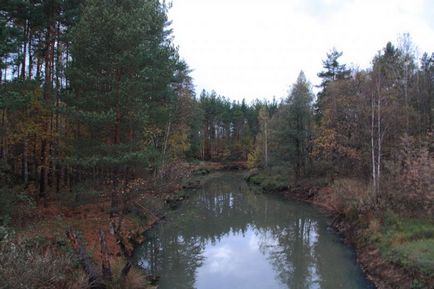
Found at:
(219, 260)
(256, 48)
(428, 9)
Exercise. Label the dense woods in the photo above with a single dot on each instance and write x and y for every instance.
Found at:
(95, 92)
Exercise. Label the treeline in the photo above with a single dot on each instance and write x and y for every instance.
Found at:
(225, 130)
(374, 124)
(88, 90)
(95, 91)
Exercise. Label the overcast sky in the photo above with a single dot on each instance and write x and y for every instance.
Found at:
(256, 48)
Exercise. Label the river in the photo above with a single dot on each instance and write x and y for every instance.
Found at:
(227, 235)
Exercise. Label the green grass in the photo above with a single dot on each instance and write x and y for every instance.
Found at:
(269, 182)
(408, 242)
(417, 255)
(201, 172)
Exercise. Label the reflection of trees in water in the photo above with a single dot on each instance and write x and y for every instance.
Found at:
(293, 254)
(286, 237)
(177, 253)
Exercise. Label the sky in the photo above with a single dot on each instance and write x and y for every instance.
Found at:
(255, 49)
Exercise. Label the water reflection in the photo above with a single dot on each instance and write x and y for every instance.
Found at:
(227, 236)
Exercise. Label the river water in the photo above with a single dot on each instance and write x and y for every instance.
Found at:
(227, 236)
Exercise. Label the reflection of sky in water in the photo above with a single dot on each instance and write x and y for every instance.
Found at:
(143, 262)
(236, 262)
(227, 237)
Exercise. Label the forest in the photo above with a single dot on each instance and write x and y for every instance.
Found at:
(97, 104)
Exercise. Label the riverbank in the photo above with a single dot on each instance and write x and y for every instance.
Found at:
(43, 230)
(46, 232)
(230, 235)
(81, 230)
(396, 252)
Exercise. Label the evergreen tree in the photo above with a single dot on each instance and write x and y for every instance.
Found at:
(123, 65)
(333, 71)
(292, 127)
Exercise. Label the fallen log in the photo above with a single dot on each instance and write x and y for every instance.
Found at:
(95, 279)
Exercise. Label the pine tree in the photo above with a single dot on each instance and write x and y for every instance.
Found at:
(123, 65)
(333, 71)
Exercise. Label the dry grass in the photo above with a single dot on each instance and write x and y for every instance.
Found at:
(135, 279)
(26, 267)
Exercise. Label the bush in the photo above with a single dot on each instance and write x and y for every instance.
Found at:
(411, 188)
(269, 181)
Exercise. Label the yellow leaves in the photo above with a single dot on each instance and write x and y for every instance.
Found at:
(325, 145)
(252, 159)
(151, 133)
(179, 143)
(329, 146)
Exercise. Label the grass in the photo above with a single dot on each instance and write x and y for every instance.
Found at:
(416, 255)
(408, 242)
(269, 181)
(135, 279)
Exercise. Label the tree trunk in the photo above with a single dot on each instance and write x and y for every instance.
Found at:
(378, 144)
(117, 140)
(29, 73)
(45, 146)
(266, 142)
(105, 258)
(3, 140)
(166, 140)
(23, 65)
(374, 174)
(25, 163)
(43, 176)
